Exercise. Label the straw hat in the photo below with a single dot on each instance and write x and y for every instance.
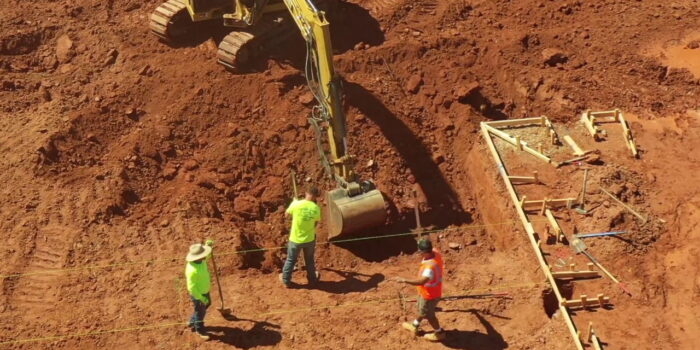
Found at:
(198, 251)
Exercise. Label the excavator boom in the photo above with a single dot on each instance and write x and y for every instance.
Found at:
(353, 205)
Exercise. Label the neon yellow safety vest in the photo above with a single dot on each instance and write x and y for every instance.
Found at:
(305, 214)
(198, 279)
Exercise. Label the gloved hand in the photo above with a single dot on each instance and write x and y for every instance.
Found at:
(205, 300)
(209, 242)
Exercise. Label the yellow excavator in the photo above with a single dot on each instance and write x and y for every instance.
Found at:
(354, 205)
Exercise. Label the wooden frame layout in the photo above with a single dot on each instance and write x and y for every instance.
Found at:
(589, 120)
(520, 144)
(531, 234)
(584, 302)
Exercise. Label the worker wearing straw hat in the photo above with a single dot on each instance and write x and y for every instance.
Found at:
(198, 285)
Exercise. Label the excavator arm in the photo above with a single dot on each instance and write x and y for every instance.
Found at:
(354, 204)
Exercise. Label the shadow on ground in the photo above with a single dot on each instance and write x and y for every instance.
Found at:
(473, 340)
(262, 334)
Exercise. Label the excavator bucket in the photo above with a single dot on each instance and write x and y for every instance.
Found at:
(353, 213)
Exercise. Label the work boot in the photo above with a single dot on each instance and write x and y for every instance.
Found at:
(203, 335)
(435, 336)
(281, 277)
(318, 278)
(408, 325)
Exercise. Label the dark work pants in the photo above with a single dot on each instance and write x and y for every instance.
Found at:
(293, 250)
(200, 310)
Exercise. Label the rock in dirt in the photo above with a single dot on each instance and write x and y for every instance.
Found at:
(64, 49)
(190, 165)
(44, 93)
(414, 83)
(552, 56)
(169, 172)
(306, 99)
(695, 44)
(467, 90)
(247, 207)
(164, 223)
(111, 57)
(455, 246)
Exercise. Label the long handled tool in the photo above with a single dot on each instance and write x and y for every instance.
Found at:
(600, 234)
(470, 296)
(640, 216)
(581, 208)
(610, 275)
(225, 312)
(580, 247)
(294, 185)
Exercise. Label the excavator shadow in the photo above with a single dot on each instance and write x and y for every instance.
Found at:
(443, 204)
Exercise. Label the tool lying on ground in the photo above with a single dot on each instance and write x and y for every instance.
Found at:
(470, 296)
(640, 216)
(580, 247)
(476, 296)
(225, 312)
(600, 234)
(581, 207)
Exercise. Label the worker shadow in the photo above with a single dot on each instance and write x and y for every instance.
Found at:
(261, 334)
(352, 282)
(473, 340)
(443, 206)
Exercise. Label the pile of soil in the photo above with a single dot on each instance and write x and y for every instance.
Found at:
(120, 151)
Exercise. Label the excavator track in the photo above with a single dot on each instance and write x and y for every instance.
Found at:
(170, 21)
(240, 48)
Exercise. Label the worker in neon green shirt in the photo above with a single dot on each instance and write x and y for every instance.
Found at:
(198, 285)
(302, 237)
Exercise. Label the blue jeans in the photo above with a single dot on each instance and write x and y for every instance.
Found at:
(293, 249)
(200, 310)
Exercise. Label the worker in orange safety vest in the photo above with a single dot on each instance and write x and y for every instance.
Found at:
(429, 285)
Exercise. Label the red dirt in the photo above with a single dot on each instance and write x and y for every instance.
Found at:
(117, 148)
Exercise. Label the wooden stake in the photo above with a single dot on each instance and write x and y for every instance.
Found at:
(544, 206)
(590, 332)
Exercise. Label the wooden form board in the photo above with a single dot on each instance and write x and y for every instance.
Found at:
(515, 141)
(575, 274)
(589, 120)
(558, 232)
(531, 236)
(550, 203)
(577, 150)
(586, 302)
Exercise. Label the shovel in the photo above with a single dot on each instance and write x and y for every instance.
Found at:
(581, 210)
(225, 312)
(580, 247)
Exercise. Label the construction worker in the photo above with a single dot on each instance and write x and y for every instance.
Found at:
(302, 236)
(198, 285)
(429, 285)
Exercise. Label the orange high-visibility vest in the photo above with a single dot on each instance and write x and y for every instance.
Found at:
(433, 288)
